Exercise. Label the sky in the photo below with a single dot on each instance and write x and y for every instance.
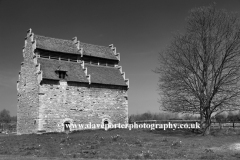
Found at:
(139, 29)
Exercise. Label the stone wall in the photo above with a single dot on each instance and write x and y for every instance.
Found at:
(27, 86)
(80, 104)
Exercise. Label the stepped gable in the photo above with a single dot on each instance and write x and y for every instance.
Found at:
(68, 46)
(105, 75)
(73, 70)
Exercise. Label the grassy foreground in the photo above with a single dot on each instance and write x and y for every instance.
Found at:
(122, 144)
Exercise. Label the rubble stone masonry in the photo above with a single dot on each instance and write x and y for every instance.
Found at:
(80, 105)
(28, 88)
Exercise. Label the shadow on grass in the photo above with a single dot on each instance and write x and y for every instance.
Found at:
(189, 133)
(178, 133)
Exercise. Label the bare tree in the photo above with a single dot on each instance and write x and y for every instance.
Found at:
(200, 70)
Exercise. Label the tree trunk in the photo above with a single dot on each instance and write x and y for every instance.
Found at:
(202, 122)
(220, 125)
(201, 116)
(207, 127)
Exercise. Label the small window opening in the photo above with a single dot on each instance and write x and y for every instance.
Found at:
(62, 74)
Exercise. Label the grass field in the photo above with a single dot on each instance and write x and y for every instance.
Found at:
(122, 144)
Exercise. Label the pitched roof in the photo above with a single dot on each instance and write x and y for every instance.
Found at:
(57, 45)
(97, 51)
(105, 75)
(74, 70)
(67, 46)
(99, 74)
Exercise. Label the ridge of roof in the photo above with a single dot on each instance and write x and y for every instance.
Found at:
(95, 45)
(52, 37)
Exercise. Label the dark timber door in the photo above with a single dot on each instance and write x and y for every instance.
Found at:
(66, 126)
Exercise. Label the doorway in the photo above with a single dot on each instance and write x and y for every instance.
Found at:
(105, 124)
(66, 126)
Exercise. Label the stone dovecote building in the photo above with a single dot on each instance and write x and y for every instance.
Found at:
(67, 81)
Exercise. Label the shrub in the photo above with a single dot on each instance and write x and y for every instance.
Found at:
(152, 116)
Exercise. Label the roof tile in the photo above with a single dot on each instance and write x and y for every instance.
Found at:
(99, 74)
(105, 75)
(57, 45)
(74, 70)
(97, 51)
(67, 46)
